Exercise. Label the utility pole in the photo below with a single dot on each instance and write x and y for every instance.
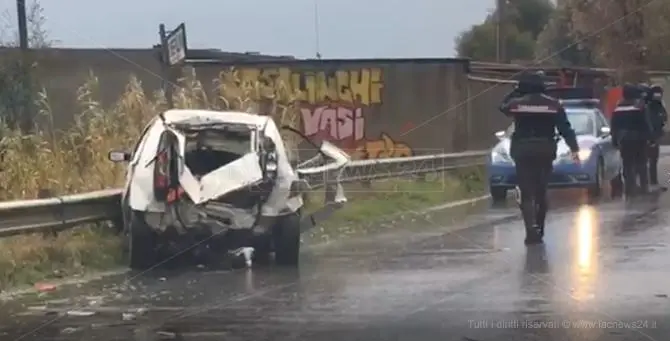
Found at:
(25, 114)
(501, 21)
(23, 24)
(317, 42)
(166, 67)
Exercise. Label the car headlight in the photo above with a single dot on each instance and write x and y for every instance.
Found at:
(584, 154)
(500, 156)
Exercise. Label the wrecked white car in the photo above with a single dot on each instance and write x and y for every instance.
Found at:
(216, 180)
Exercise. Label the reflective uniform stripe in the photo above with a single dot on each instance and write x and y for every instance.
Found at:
(540, 109)
(627, 108)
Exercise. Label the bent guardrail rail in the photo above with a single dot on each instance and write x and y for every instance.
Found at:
(60, 213)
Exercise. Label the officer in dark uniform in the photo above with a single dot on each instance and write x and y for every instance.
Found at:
(659, 117)
(533, 147)
(632, 132)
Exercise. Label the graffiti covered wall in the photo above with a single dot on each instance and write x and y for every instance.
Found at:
(371, 108)
(375, 107)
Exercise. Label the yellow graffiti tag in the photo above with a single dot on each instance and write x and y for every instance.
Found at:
(363, 86)
(383, 148)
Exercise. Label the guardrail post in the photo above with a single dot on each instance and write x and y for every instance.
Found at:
(331, 191)
(45, 193)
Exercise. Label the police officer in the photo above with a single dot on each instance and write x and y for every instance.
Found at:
(533, 147)
(659, 118)
(632, 131)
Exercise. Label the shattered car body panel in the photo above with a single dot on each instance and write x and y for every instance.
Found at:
(252, 187)
(227, 178)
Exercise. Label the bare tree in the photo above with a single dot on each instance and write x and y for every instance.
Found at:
(17, 79)
(38, 37)
(618, 33)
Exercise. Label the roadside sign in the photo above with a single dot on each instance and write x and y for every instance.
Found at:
(176, 45)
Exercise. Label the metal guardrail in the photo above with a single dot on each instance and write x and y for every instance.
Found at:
(377, 169)
(60, 213)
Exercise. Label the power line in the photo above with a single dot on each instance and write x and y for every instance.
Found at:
(317, 43)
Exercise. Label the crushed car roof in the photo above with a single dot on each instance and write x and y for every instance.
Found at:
(178, 115)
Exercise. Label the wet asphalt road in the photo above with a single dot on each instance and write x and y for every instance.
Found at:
(603, 274)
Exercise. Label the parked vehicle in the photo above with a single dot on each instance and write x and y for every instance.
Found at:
(215, 180)
(600, 161)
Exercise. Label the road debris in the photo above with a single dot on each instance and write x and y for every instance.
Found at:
(70, 330)
(45, 287)
(80, 313)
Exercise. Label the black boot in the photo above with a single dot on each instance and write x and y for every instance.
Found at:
(534, 235)
(653, 175)
(528, 211)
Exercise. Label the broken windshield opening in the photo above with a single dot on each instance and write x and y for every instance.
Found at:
(207, 150)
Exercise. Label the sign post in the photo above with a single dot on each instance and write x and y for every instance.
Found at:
(173, 53)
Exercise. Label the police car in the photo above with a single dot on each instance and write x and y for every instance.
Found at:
(600, 161)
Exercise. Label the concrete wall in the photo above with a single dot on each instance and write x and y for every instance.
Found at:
(374, 108)
(62, 71)
(485, 99)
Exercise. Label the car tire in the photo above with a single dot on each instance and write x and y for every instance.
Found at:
(595, 191)
(286, 240)
(262, 249)
(498, 195)
(142, 253)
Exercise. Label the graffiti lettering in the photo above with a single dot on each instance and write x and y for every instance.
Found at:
(384, 147)
(333, 105)
(354, 87)
(334, 123)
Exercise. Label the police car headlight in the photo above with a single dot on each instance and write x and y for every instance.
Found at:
(584, 154)
(500, 156)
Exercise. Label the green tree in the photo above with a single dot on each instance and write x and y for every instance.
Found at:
(523, 21)
(531, 15)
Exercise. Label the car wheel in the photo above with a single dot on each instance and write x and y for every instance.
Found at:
(141, 243)
(595, 190)
(498, 195)
(262, 249)
(286, 239)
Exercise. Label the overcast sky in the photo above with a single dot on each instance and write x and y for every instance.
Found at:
(347, 28)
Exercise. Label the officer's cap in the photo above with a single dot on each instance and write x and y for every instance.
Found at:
(531, 81)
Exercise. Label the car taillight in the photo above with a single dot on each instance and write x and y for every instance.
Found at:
(161, 176)
(174, 194)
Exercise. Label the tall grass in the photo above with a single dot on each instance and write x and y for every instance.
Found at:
(75, 160)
